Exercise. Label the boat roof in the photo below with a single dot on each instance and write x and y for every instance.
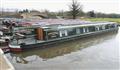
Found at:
(48, 22)
(85, 25)
(72, 23)
(61, 23)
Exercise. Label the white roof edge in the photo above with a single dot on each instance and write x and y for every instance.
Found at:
(83, 25)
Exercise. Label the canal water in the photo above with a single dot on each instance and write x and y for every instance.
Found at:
(99, 52)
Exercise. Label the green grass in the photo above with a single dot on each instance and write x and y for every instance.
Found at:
(117, 20)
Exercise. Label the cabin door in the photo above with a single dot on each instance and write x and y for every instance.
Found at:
(63, 33)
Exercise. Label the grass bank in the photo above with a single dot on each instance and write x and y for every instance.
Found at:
(117, 20)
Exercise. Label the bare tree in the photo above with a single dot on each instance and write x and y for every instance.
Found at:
(75, 8)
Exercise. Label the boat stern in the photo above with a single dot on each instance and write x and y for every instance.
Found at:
(15, 48)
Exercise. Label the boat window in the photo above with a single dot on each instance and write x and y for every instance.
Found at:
(62, 33)
(103, 27)
(14, 42)
(25, 31)
(100, 28)
(77, 30)
(81, 30)
(53, 34)
(91, 28)
(107, 26)
(96, 28)
(72, 31)
(85, 29)
(112, 26)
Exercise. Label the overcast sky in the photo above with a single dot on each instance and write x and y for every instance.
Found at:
(105, 6)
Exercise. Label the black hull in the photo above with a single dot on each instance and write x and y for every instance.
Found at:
(44, 44)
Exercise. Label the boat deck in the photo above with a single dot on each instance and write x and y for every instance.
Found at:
(4, 63)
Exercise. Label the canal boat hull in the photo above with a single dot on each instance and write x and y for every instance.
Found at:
(23, 47)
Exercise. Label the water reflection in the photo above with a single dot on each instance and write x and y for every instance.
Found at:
(59, 49)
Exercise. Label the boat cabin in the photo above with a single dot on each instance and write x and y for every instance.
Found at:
(59, 31)
(64, 31)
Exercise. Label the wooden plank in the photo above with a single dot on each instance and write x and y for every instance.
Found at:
(39, 34)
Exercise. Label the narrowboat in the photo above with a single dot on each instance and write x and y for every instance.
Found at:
(38, 36)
